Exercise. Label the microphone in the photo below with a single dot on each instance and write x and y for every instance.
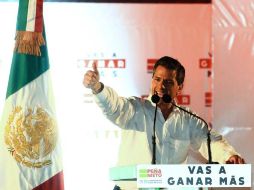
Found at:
(155, 98)
(167, 99)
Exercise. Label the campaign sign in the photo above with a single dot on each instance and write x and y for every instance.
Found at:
(194, 175)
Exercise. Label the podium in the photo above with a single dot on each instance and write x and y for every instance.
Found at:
(183, 176)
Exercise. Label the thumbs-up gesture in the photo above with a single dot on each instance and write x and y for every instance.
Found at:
(92, 79)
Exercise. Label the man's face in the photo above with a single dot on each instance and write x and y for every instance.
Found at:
(164, 82)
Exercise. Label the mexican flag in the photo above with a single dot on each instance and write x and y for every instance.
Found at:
(30, 152)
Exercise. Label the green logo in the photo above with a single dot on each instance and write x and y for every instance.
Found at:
(146, 173)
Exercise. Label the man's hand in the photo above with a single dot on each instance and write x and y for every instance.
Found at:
(92, 78)
(235, 160)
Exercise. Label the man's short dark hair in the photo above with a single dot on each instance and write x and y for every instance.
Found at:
(171, 64)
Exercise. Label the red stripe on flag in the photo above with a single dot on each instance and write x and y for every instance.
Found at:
(38, 17)
(54, 183)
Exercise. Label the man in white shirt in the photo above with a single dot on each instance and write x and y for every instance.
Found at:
(176, 130)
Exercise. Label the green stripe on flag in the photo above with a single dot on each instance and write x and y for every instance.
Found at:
(26, 68)
(22, 15)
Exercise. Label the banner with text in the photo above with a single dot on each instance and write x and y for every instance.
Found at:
(194, 175)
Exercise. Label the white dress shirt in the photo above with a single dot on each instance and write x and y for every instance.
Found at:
(174, 136)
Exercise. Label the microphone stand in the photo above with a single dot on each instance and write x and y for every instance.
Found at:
(155, 99)
(153, 137)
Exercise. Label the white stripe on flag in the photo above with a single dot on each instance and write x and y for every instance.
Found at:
(31, 15)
